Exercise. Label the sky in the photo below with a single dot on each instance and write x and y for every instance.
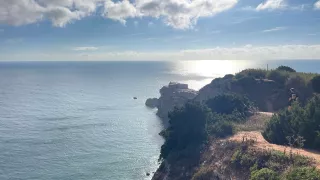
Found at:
(102, 30)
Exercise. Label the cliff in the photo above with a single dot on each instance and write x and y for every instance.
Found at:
(172, 95)
(268, 95)
(185, 156)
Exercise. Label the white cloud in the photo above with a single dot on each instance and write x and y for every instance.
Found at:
(181, 14)
(271, 5)
(274, 29)
(119, 11)
(88, 48)
(247, 52)
(60, 12)
(317, 5)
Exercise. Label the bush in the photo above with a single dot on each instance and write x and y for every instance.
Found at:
(255, 73)
(264, 174)
(278, 76)
(187, 128)
(316, 84)
(204, 173)
(303, 173)
(246, 81)
(285, 68)
(222, 129)
(298, 121)
(228, 103)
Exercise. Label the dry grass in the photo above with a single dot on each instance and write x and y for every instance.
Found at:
(256, 122)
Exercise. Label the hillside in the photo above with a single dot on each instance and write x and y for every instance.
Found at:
(220, 134)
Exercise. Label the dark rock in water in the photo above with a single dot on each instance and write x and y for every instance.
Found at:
(148, 174)
(152, 102)
(135, 98)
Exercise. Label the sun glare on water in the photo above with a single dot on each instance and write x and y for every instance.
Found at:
(199, 73)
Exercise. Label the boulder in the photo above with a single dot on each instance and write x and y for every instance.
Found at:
(152, 102)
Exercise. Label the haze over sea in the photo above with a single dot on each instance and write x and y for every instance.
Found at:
(79, 121)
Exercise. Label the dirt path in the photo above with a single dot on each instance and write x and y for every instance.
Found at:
(262, 144)
(266, 113)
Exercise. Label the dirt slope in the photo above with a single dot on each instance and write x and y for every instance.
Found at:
(262, 144)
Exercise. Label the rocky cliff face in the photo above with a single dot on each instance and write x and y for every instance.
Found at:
(266, 94)
(175, 94)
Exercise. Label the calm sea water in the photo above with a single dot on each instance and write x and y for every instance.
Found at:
(78, 120)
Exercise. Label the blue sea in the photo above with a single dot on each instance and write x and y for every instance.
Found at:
(79, 121)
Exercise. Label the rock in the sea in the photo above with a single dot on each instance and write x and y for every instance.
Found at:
(148, 174)
(152, 102)
(175, 94)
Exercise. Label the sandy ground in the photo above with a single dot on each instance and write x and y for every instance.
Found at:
(262, 144)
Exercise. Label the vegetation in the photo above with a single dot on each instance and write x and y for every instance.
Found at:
(204, 173)
(298, 121)
(281, 75)
(255, 73)
(268, 164)
(191, 126)
(316, 84)
(309, 173)
(187, 129)
(264, 174)
(278, 76)
(229, 103)
(285, 68)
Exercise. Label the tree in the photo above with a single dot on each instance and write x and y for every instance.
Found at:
(228, 103)
(316, 84)
(285, 68)
(187, 128)
(298, 121)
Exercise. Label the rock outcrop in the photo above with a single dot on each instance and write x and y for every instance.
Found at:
(266, 94)
(152, 102)
(175, 94)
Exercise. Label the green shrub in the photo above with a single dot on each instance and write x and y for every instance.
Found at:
(285, 68)
(187, 128)
(246, 81)
(298, 121)
(316, 84)
(228, 76)
(222, 129)
(306, 173)
(278, 76)
(204, 173)
(228, 103)
(255, 73)
(264, 174)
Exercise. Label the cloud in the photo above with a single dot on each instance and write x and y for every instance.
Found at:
(89, 48)
(180, 14)
(183, 14)
(60, 12)
(271, 5)
(317, 5)
(119, 11)
(247, 52)
(274, 29)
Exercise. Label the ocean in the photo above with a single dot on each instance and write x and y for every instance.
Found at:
(79, 120)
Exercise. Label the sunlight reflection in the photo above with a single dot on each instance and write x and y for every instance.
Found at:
(199, 73)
